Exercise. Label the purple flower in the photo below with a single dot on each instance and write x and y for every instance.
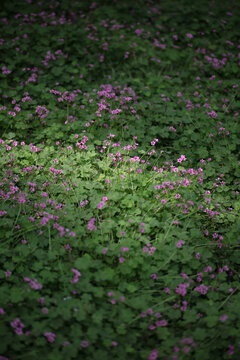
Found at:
(84, 344)
(124, 248)
(181, 289)
(66, 343)
(8, 273)
(161, 323)
(68, 247)
(186, 340)
(17, 325)
(76, 276)
(41, 300)
(152, 327)
(223, 318)
(35, 285)
(167, 290)
(50, 336)
(153, 355)
(202, 289)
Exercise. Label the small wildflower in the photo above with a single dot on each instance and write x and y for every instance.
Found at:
(50, 336)
(84, 344)
(180, 243)
(223, 318)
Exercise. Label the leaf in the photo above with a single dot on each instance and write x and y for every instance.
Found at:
(83, 263)
(132, 288)
(16, 295)
(200, 334)
(211, 321)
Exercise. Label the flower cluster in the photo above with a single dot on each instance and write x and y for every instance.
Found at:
(149, 249)
(76, 276)
(182, 157)
(102, 203)
(91, 225)
(181, 289)
(33, 283)
(50, 336)
(17, 325)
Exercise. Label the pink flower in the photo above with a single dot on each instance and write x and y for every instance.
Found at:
(100, 205)
(76, 276)
(182, 157)
(180, 243)
(121, 260)
(91, 225)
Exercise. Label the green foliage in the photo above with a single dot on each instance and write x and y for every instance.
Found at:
(113, 244)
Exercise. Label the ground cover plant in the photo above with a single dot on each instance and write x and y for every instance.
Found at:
(119, 186)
